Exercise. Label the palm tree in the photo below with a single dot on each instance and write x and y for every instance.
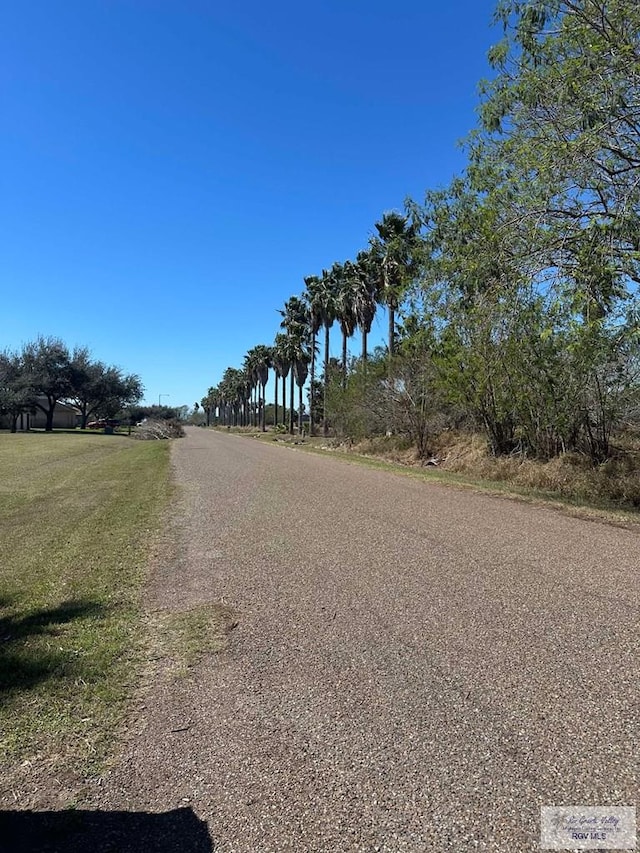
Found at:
(326, 306)
(281, 365)
(364, 296)
(232, 395)
(252, 379)
(210, 403)
(276, 369)
(242, 395)
(313, 285)
(258, 363)
(244, 388)
(393, 252)
(295, 316)
(301, 371)
(294, 346)
(345, 279)
(223, 389)
(295, 321)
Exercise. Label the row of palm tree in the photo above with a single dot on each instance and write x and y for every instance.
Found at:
(348, 293)
(240, 398)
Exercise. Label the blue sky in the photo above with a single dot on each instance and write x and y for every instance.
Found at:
(172, 169)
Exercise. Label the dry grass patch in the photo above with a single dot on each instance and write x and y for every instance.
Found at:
(615, 483)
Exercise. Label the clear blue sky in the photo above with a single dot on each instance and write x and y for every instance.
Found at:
(172, 169)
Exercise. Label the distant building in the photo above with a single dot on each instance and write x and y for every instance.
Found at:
(65, 416)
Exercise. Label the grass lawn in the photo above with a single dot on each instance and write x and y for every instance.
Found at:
(77, 515)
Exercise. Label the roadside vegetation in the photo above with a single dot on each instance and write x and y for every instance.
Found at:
(77, 513)
(511, 296)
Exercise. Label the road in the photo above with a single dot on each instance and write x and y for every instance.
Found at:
(415, 667)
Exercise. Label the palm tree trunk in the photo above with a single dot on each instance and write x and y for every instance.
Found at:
(300, 409)
(313, 376)
(275, 405)
(291, 406)
(344, 361)
(263, 410)
(325, 425)
(284, 400)
(364, 347)
(392, 328)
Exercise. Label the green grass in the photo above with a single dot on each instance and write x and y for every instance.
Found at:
(77, 514)
(187, 637)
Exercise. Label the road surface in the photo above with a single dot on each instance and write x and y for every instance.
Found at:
(415, 667)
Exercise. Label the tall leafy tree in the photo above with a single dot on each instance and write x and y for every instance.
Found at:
(98, 389)
(562, 116)
(558, 150)
(560, 139)
(16, 396)
(47, 369)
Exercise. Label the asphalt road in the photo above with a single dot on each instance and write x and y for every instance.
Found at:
(414, 668)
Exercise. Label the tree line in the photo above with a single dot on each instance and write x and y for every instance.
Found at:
(45, 371)
(511, 294)
(348, 293)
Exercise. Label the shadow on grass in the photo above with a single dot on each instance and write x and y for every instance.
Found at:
(24, 662)
(177, 831)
